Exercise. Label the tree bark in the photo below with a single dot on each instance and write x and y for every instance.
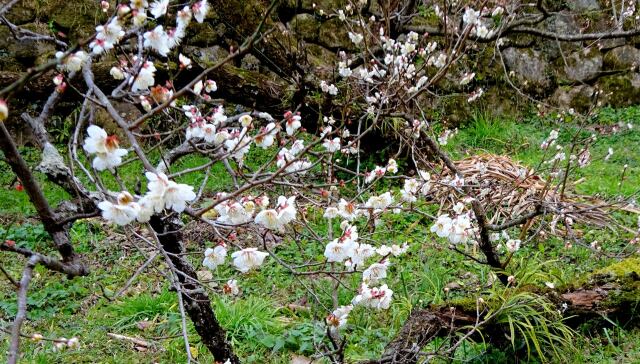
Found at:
(196, 301)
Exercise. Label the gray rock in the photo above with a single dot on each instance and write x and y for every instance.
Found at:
(622, 58)
(583, 65)
(529, 66)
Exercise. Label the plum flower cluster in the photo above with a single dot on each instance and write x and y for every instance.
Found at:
(346, 249)
(458, 229)
(244, 260)
(162, 194)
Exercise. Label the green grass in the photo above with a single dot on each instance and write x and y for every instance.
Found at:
(262, 324)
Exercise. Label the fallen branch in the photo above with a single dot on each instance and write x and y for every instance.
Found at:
(134, 340)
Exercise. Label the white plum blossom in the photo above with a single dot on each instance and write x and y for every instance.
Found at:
(283, 214)
(197, 88)
(122, 212)
(375, 272)
(106, 148)
(238, 146)
(234, 212)
(513, 245)
(392, 166)
(356, 38)
(376, 297)
(339, 250)
(117, 73)
(231, 287)
(173, 195)
(376, 173)
(107, 36)
(73, 62)
(292, 122)
(214, 257)
(398, 250)
(360, 253)
(145, 78)
(139, 17)
(185, 62)
(184, 17)
(210, 86)
(139, 4)
(458, 208)
(347, 210)
(331, 89)
(245, 120)
(268, 219)
(159, 8)
(4, 110)
(338, 318)
(471, 16)
(266, 137)
(330, 212)
(443, 226)
(380, 202)
(332, 145)
(249, 258)
(158, 40)
(176, 196)
(344, 70)
(200, 10)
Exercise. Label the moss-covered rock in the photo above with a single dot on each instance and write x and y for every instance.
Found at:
(622, 58)
(23, 12)
(579, 98)
(305, 26)
(583, 5)
(334, 35)
(206, 57)
(619, 90)
(204, 34)
(28, 53)
(76, 18)
(328, 6)
(321, 60)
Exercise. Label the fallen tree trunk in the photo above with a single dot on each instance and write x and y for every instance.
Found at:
(609, 295)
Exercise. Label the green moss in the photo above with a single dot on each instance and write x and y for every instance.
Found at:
(619, 90)
(623, 269)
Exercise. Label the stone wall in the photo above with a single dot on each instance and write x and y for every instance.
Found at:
(565, 74)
